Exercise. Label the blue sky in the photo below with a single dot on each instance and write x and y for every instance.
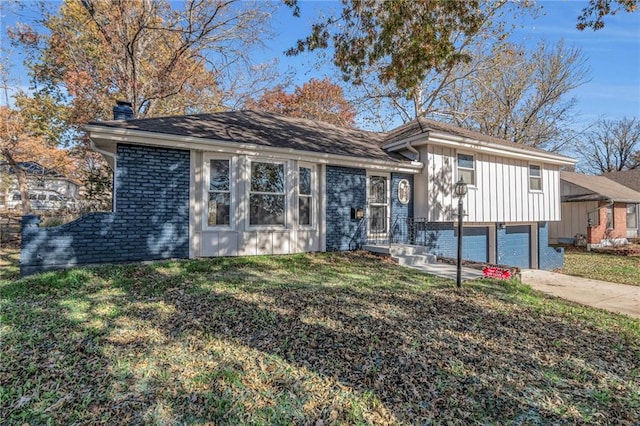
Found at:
(613, 53)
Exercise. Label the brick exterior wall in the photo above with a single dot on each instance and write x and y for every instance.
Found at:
(346, 188)
(151, 219)
(439, 238)
(510, 248)
(549, 258)
(400, 212)
(596, 234)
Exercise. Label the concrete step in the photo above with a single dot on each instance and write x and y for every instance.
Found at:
(448, 271)
(414, 259)
(409, 250)
(375, 248)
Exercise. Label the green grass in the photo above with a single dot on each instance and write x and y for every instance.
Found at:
(305, 339)
(604, 267)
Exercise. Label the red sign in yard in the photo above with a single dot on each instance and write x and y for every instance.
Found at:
(495, 272)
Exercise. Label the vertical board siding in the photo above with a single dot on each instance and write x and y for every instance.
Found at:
(501, 193)
(574, 221)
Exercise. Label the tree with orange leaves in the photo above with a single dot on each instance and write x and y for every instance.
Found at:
(316, 100)
(18, 143)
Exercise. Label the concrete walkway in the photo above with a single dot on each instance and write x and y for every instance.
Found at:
(445, 270)
(619, 298)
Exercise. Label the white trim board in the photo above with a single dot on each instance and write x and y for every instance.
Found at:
(109, 135)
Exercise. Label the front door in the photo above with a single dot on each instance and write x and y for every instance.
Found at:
(378, 206)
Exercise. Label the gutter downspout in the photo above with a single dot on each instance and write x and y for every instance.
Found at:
(113, 157)
(410, 148)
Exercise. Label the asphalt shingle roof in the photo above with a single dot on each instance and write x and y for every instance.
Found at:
(599, 188)
(266, 129)
(423, 125)
(279, 131)
(628, 178)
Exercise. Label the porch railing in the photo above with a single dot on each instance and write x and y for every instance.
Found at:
(390, 230)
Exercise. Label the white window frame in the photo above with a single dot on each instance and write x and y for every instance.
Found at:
(313, 196)
(535, 177)
(233, 181)
(248, 193)
(635, 207)
(473, 170)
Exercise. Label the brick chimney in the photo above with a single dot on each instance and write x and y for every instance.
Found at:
(123, 111)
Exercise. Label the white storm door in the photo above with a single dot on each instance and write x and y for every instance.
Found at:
(378, 211)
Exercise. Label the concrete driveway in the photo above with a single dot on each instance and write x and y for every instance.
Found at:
(620, 298)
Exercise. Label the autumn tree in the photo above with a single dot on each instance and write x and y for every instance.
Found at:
(20, 143)
(400, 51)
(518, 95)
(165, 58)
(594, 13)
(612, 145)
(316, 100)
(164, 61)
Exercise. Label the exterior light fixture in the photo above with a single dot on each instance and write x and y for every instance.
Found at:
(460, 189)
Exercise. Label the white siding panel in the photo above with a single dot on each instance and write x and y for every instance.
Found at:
(501, 193)
(495, 183)
(513, 194)
(574, 221)
(501, 186)
(485, 190)
(228, 243)
(441, 176)
(524, 192)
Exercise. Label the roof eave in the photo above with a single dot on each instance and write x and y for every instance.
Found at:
(121, 135)
(491, 148)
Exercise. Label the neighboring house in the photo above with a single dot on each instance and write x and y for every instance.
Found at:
(630, 179)
(595, 211)
(40, 179)
(246, 182)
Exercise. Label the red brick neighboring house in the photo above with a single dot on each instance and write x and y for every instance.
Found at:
(594, 211)
(630, 179)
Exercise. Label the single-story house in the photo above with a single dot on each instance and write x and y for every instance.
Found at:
(247, 182)
(595, 211)
(630, 179)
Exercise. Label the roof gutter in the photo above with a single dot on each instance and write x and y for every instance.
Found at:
(118, 135)
(447, 139)
(105, 153)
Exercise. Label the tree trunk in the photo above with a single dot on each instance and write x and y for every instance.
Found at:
(21, 176)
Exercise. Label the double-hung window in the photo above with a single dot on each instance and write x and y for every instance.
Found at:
(219, 191)
(267, 194)
(305, 196)
(466, 169)
(535, 177)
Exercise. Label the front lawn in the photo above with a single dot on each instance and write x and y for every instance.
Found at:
(306, 339)
(604, 267)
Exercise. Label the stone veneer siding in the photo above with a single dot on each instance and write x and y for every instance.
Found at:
(151, 220)
(346, 188)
